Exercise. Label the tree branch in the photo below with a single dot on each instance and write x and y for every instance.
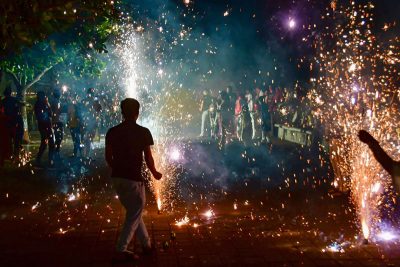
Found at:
(37, 78)
(14, 78)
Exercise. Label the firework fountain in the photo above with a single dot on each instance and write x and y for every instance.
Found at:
(141, 79)
(357, 90)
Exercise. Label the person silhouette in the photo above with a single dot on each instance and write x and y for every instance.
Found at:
(125, 145)
(390, 165)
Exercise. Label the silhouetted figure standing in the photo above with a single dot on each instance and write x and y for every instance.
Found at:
(43, 116)
(125, 145)
(90, 115)
(14, 122)
(390, 165)
(75, 126)
(5, 139)
(58, 125)
(205, 106)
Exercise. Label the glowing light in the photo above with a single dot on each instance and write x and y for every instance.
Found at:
(175, 154)
(159, 204)
(235, 206)
(335, 247)
(72, 197)
(184, 221)
(291, 23)
(376, 187)
(365, 229)
(64, 88)
(352, 67)
(386, 236)
(209, 214)
(35, 206)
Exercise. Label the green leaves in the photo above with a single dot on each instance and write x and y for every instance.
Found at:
(67, 34)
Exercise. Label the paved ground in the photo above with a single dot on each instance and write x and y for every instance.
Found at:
(43, 225)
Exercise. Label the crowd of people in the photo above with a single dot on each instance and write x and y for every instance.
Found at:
(52, 112)
(248, 116)
(251, 115)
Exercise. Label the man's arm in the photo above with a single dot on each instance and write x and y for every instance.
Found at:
(148, 156)
(380, 155)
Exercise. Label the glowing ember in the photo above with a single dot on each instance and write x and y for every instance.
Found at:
(209, 214)
(35, 206)
(184, 221)
(159, 204)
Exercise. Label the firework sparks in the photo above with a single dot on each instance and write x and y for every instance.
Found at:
(184, 221)
(358, 94)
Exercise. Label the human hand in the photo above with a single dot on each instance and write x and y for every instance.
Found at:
(365, 137)
(157, 175)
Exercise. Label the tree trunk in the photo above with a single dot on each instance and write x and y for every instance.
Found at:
(21, 94)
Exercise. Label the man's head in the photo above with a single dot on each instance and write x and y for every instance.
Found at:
(130, 108)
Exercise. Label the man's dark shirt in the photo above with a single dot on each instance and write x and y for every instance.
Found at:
(207, 101)
(12, 109)
(127, 142)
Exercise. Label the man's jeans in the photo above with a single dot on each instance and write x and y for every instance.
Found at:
(132, 197)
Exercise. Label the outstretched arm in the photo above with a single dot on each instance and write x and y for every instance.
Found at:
(148, 156)
(380, 155)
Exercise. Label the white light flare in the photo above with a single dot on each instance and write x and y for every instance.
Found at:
(292, 23)
(209, 214)
(386, 236)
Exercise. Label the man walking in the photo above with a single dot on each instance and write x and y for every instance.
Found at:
(125, 145)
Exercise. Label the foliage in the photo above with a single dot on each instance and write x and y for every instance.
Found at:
(24, 23)
(66, 38)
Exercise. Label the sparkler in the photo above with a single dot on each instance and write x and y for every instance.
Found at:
(356, 91)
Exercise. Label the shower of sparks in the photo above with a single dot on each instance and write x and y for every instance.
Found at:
(142, 77)
(356, 90)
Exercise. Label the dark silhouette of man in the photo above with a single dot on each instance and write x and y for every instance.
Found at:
(390, 165)
(43, 116)
(15, 125)
(125, 145)
(58, 126)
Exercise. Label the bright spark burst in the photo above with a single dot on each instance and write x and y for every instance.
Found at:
(209, 214)
(184, 221)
